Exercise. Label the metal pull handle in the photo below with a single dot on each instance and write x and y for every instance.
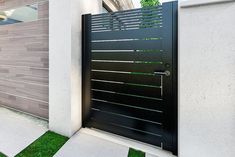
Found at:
(166, 73)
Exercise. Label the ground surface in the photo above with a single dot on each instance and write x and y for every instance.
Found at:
(86, 145)
(135, 153)
(17, 131)
(2, 155)
(46, 146)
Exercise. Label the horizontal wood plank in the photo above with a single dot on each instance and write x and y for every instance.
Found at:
(30, 106)
(33, 91)
(25, 74)
(43, 10)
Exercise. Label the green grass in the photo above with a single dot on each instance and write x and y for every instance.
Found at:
(135, 153)
(2, 155)
(45, 146)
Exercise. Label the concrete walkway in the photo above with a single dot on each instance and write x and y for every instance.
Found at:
(17, 131)
(85, 145)
(93, 144)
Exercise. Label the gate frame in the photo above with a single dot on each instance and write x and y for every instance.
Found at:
(172, 127)
(175, 77)
(86, 68)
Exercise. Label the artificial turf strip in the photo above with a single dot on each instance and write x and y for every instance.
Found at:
(2, 155)
(135, 153)
(45, 146)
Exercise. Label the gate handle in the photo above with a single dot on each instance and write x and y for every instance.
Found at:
(166, 73)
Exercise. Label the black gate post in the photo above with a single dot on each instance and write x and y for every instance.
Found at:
(170, 59)
(86, 68)
(175, 78)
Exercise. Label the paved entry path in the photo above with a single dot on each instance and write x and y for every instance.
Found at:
(17, 131)
(86, 145)
(83, 144)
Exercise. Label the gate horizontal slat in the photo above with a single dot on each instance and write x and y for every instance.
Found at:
(130, 122)
(127, 78)
(128, 34)
(150, 10)
(127, 22)
(128, 45)
(129, 133)
(128, 56)
(126, 111)
(130, 26)
(139, 102)
(128, 89)
(128, 67)
(126, 25)
(134, 27)
(140, 16)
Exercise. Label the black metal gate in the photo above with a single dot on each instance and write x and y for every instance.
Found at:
(130, 74)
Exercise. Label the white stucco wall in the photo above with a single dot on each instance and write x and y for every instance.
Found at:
(65, 62)
(207, 79)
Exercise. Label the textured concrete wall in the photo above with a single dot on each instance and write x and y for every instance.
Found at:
(207, 79)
